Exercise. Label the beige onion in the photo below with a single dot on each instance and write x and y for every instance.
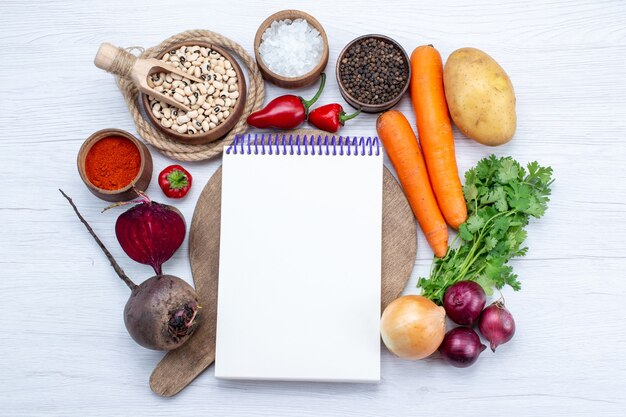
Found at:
(413, 327)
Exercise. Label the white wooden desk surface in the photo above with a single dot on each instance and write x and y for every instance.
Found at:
(64, 349)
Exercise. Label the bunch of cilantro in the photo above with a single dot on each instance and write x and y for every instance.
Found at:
(501, 198)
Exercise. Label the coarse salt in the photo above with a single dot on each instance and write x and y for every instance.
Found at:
(291, 48)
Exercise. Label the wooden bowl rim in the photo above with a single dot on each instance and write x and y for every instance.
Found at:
(367, 107)
(221, 130)
(291, 14)
(97, 137)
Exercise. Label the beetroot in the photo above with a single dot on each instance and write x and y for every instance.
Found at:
(162, 312)
(150, 232)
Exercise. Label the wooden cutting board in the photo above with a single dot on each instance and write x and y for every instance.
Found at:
(179, 367)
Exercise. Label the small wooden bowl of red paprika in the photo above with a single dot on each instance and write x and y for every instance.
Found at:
(113, 164)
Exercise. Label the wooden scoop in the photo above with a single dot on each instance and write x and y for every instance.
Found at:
(120, 62)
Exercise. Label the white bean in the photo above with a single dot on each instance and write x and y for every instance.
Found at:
(210, 90)
(212, 125)
(179, 98)
(232, 81)
(213, 118)
(205, 126)
(200, 117)
(176, 77)
(220, 102)
(228, 102)
(192, 114)
(182, 119)
(166, 122)
(227, 65)
(201, 100)
(231, 73)
(220, 116)
(218, 85)
(182, 129)
(201, 88)
(169, 78)
(234, 95)
(226, 113)
(187, 91)
(167, 112)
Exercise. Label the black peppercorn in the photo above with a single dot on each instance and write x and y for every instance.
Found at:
(374, 71)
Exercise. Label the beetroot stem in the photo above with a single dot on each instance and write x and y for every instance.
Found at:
(118, 269)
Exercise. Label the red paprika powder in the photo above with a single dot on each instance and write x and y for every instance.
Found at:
(112, 163)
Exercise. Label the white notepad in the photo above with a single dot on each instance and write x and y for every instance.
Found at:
(300, 260)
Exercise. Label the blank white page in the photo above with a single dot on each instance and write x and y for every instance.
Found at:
(300, 267)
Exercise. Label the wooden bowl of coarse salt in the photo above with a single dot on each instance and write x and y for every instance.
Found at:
(291, 49)
(216, 105)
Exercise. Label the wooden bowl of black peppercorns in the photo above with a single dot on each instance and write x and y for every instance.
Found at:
(373, 73)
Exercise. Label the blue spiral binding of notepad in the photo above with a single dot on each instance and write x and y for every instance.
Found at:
(289, 144)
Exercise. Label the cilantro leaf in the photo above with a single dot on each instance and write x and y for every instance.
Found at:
(474, 223)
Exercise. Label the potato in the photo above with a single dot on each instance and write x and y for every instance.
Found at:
(480, 97)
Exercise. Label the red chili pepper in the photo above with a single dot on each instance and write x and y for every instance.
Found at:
(285, 112)
(330, 117)
(175, 181)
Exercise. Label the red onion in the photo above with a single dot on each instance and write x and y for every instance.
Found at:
(464, 301)
(496, 324)
(461, 347)
(150, 232)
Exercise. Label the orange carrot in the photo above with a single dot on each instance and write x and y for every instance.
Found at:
(398, 138)
(435, 133)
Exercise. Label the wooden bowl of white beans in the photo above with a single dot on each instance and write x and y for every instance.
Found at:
(216, 105)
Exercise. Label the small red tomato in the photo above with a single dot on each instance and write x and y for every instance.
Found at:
(175, 181)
